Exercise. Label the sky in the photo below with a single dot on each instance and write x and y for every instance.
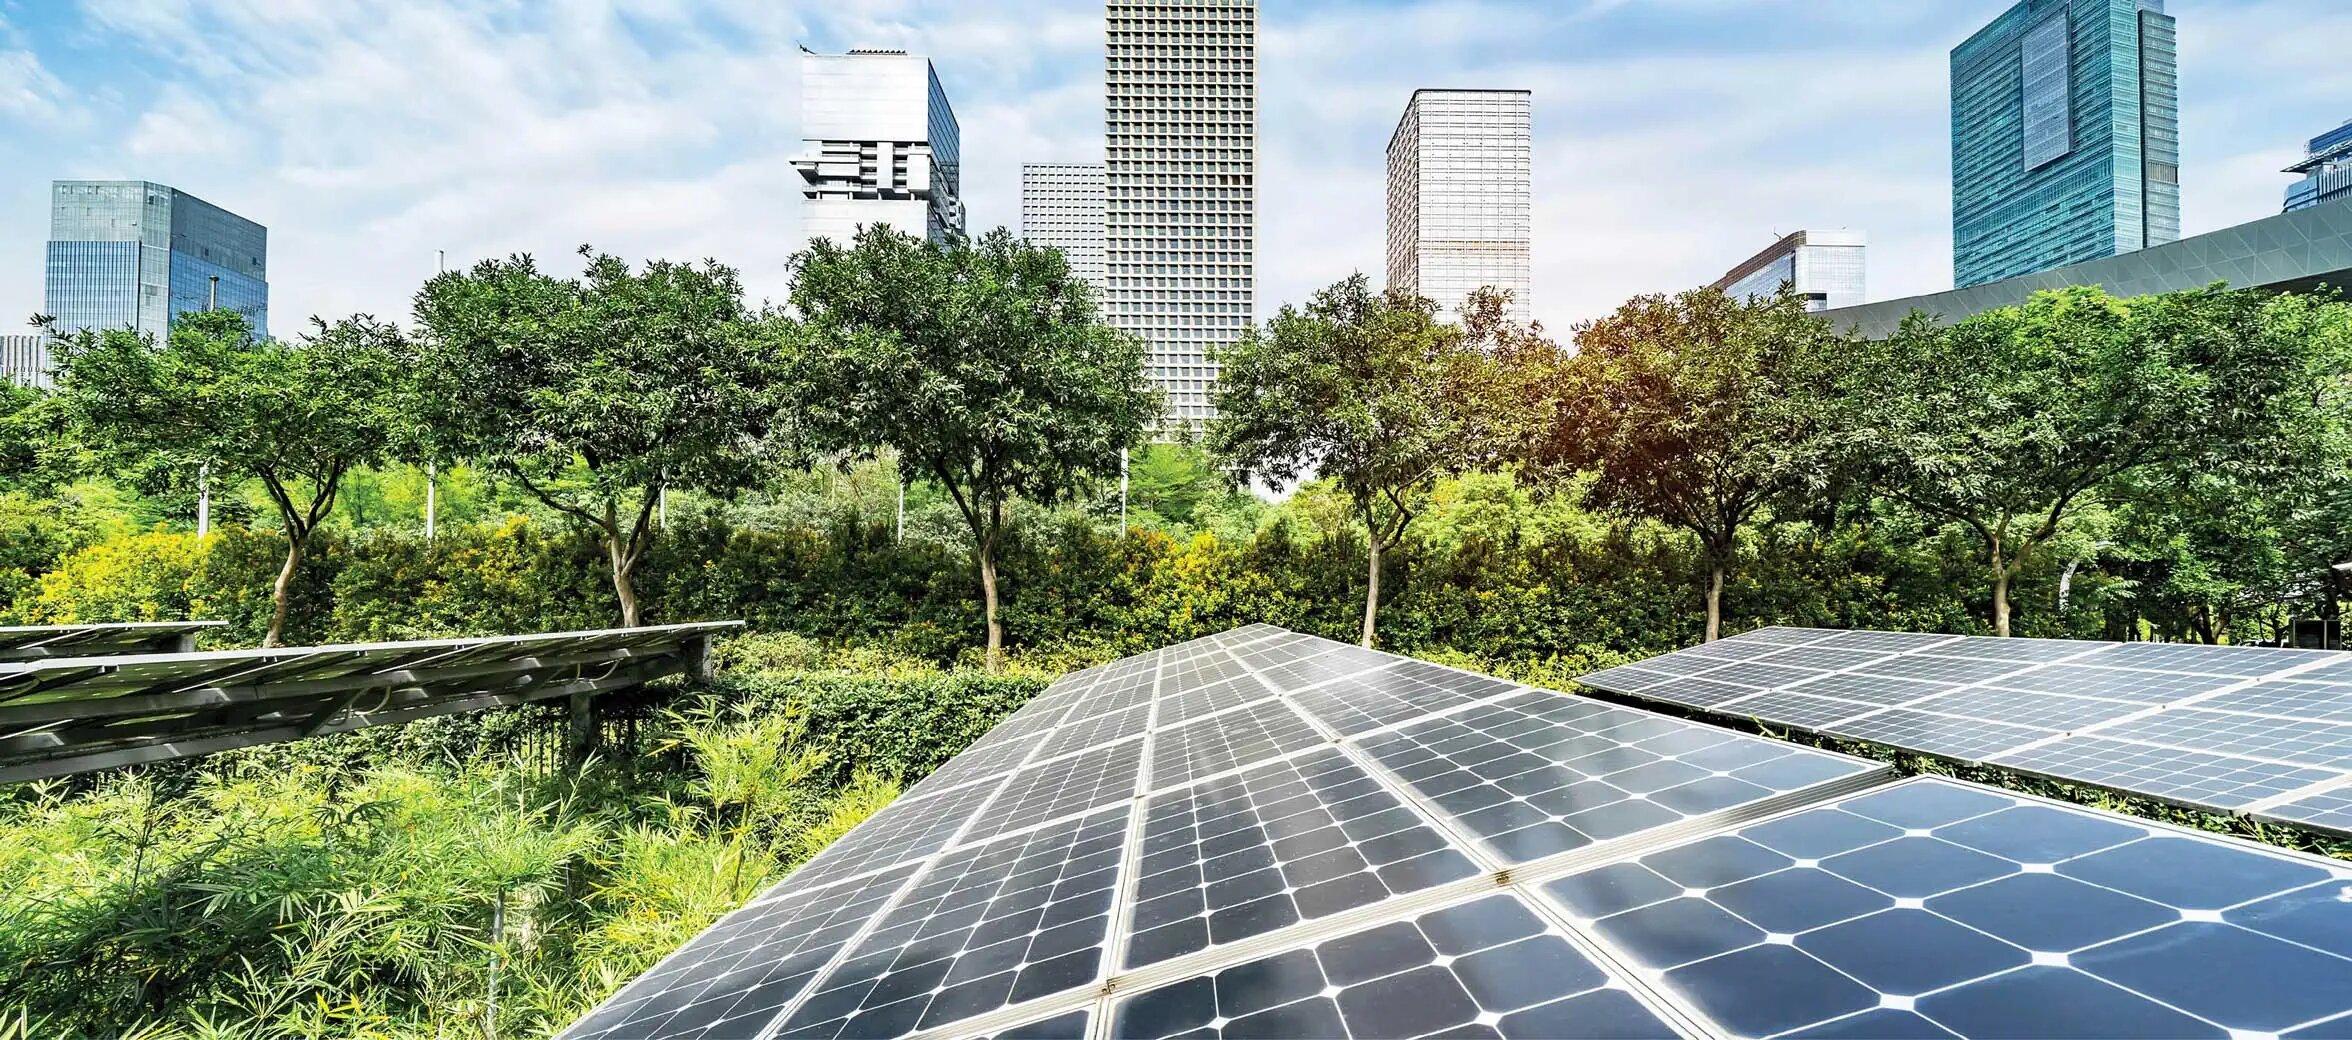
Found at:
(1673, 138)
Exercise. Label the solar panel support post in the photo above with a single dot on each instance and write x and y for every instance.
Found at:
(579, 728)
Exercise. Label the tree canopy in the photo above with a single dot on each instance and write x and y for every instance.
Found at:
(298, 417)
(2008, 422)
(1697, 410)
(985, 365)
(598, 394)
(1373, 391)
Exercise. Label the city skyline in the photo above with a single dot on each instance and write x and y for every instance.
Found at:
(629, 135)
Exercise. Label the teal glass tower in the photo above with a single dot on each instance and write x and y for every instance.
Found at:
(2065, 137)
(137, 255)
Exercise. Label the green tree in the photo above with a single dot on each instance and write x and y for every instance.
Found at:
(297, 417)
(597, 395)
(1374, 392)
(986, 366)
(2007, 423)
(1698, 410)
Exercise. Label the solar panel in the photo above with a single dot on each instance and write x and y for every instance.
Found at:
(65, 715)
(1479, 859)
(2231, 729)
(36, 642)
(1934, 908)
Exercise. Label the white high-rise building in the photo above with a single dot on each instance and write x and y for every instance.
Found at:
(1062, 207)
(1459, 200)
(882, 146)
(1826, 268)
(1180, 203)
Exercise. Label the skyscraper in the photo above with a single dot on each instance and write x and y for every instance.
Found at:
(2326, 170)
(136, 255)
(2065, 137)
(882, 147)
(1180, 196)
(25, 360)
(1458, 197)
(1826, 268)
(1062, 207)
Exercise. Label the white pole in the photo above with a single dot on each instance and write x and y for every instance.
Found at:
(1122, 491)
(898, 534)
(661, 507)
(204, 500)
(432, 497)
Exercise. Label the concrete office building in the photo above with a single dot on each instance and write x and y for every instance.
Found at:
(2326, 170)
(136, 255)
(2065, 137)
(25, 360)
(882, 147)
(1459, 199)
(1062, 207)
(1826, 268)
(1180, 186)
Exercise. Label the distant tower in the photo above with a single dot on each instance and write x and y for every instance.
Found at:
(882, 147)
(2065, 137)
(2327, 170)
(1459, 199)
(137, 255)
(1062, 207)
(1825, 268)
(1180, 210)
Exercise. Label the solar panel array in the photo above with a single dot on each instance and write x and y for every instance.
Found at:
(1455, 855)
(36, 642)
(2247, 730)
(64, 715)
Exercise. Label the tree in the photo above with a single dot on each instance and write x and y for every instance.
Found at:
(1375, 393)
(598, 395)
(296, 417)
(2008, 422)
(1697, 410)
(985, 365)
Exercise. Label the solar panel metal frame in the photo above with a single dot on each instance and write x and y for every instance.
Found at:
(60, 716)
(42, 642)
(2153, 716)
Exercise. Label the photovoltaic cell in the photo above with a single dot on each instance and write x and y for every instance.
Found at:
(1065, 786)
(905, 830)
(1540, 774)
(1088, 729)
(1394, 694)
(1069, 1025)
(732, 979)
(2230, 729)
(983, 762)
(1490, 967)
(1268, 729)
(1292, 841)
(1935, 908)
(1180, 708)
(2330, 808)
(1337, 659)
(1822, 658)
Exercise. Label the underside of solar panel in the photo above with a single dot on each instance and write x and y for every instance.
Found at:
(1268, 834)
(2253, 731)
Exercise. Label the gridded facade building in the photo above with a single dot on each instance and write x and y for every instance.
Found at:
(1062, 207)
(1459, 200)
(136, 255)
(882, 147)
(2065, 137)
(1180, 196)
(1825, 268)
(2327, 170)
(25, 360)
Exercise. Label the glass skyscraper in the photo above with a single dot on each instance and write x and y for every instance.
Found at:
(2327, 171)
(1826, 269)
(1180, 198)
(134, 254)
(882, 147)
(1459, 201)
(2065, 137)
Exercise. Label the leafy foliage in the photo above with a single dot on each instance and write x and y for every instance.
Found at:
(985, 366)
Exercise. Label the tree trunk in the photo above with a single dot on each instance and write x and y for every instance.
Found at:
(624, 587)
(988, 595)
(283, 591)
(1372, 592)
(2000, 599)
(1715, 575)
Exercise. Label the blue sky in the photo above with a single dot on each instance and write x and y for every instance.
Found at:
(1673, 137)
